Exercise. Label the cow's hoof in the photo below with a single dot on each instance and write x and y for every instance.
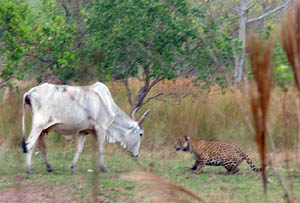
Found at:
(73, 168)
(49, 170)
(103, 169)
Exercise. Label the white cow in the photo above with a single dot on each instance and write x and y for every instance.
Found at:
(78, 109)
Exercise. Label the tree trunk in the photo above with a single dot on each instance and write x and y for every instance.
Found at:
(142, 93)
(261, 23)
(240, 59)
(140, 96)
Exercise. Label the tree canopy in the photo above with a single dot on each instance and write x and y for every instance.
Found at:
(13, 32)
(148, 40)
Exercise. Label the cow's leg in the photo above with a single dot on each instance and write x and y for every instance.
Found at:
(32, 139)
(80, 143)
(42, 147)
(100, 134)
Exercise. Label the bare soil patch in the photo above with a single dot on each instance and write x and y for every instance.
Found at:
(48, 192)
(37, 193)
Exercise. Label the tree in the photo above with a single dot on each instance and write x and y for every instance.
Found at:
(13, 31)
(147, 39)
(242, 16)
(245, 6)
(218, 45)
(58, 40)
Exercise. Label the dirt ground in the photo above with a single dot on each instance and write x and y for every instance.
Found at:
(38, 193)
(41, 192)
(47, 193)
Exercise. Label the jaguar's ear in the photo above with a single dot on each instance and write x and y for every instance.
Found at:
(187, 138)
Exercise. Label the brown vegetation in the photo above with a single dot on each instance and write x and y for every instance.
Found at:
(209, 114)
(260, 55)
(162, 190)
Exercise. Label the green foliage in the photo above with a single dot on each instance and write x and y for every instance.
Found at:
(216, 55)
(56, 41)
(83, 40)
(13, 32)
(283, 75)
(151, 35)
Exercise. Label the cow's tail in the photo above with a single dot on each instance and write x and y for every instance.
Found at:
(23, 125)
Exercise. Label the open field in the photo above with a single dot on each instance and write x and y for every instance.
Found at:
(84, 186)
(208, 114)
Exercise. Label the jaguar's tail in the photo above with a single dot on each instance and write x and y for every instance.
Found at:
(250, 163)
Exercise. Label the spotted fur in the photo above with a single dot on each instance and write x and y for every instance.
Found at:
(214, 153)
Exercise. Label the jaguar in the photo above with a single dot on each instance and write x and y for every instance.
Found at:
(214, 153)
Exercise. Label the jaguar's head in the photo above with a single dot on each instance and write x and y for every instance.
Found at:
(182, 144)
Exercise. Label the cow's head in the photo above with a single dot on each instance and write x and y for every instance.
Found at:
(136, 134)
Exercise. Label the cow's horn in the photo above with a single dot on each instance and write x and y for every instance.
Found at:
(144, 116)
(134, 112)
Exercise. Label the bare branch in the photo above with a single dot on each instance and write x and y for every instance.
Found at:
(251, 6)
(229, 6)
(45, 60)
(153, 97)
(2, 83)
(5, 80)
(66, 9)
(2, 86)
(154, 82)
(79, 40)
(181, 97)
(269, 13)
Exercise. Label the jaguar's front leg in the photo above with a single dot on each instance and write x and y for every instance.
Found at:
(200, 166)
(194, 167)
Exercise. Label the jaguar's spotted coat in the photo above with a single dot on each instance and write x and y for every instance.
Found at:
(214, 153)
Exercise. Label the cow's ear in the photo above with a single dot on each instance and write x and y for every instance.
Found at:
(187, 138)
(144, 116)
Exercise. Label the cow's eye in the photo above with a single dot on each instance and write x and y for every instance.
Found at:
(141, 134)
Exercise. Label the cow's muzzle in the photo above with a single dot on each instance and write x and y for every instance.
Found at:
(134, 156)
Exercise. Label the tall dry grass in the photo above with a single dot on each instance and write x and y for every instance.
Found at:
(209, 114)
(290, 39)
(10, 128)
(260, 55)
